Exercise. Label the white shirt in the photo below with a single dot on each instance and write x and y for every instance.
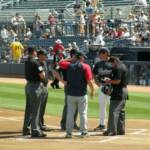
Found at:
(4, 34)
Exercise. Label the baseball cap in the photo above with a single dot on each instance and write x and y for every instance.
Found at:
(79, 54)
(73, 52)
(31, 49)
(104, 49)
(41, 52)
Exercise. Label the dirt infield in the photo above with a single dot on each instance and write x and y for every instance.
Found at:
(137, 132)
(137, 136)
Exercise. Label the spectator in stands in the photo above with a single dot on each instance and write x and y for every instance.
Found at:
(61, 18)
(52, 23)
(38, 26)
(16, 51)
(82, 24)
(142, 17)
(19, 25)
(28, 34)
(4, 35)
(58, 46)
(99, 39)
(75, 46)
(12, 35)
(141, 2)
(126, 32)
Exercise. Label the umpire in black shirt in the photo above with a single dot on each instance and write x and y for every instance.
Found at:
(34, 76)
(42, 57)
(119, 80)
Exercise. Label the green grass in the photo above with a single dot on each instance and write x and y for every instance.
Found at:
(12, 97)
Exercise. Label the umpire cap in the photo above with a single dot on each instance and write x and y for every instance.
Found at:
(104, 50)
(80, 54)
(31, 49)
(42, 52)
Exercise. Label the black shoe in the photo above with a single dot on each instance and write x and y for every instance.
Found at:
(76, 127)
(84, 134)
(52, 85)
(57, 87)
(26, 131)
(120, 133)
(106, 133)
(63, 128)
(99, 128)
(38, 134)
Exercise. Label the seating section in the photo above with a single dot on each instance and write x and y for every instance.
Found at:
(50, 42)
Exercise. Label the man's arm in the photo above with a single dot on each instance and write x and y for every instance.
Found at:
(90, 84)
(57, 76)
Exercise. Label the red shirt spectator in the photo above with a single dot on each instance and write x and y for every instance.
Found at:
(58, 46)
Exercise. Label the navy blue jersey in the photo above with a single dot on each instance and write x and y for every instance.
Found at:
(101, 70)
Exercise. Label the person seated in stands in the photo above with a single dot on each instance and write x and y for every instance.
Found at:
(52, 23)
(4, 34)
(28, 34)
(37, 26)
(19, 25)
(142, 17)
(12, 34)
(75, 46)
(126, 32)
(99, 39)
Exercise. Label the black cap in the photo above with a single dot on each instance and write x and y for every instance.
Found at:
(73, 52)
(41, 52)
(104, 49)
(79, 54)
(31, 49)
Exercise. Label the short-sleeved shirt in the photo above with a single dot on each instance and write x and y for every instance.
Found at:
(101, 70)
(119, 73)
(88, 73)
(46, 70)
(77, 75)
(32, 70)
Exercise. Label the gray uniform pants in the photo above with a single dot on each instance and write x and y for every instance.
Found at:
(64, 113)
(43, 105)
(74, 102)
(116, 120)
(33, 91)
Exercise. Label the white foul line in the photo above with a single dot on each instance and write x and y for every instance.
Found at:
(10, 119)
(139, 131)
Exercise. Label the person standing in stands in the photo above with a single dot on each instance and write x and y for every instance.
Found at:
(102, 70)
(16, 51)
(79, 75)
(42, 57)
(119, 95)
(34, 75)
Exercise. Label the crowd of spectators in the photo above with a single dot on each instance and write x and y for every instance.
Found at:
(88, 22)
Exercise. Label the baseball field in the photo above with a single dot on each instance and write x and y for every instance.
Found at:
(12, 103)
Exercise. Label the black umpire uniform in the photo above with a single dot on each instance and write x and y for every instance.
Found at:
(119, 80)
(42, 57)
(34, 75)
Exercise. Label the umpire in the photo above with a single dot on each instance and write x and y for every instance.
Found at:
(42, 57)
(34, 76)
(116, 121)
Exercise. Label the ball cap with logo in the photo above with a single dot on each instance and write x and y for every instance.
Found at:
(104, 50)
(42, 52)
